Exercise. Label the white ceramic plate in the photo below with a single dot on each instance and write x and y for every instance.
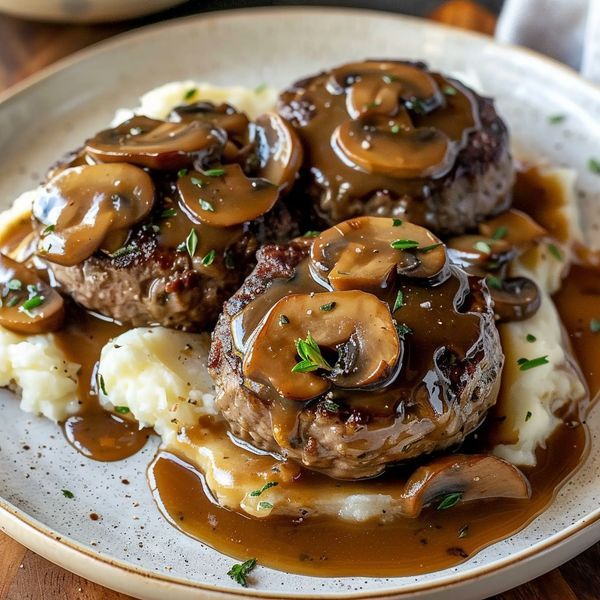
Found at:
(132, 548)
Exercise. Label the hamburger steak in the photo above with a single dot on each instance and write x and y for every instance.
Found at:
(350, 361)
(391, 138)
(157, 222)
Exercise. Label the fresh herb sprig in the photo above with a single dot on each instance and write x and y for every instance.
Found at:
(311, 357)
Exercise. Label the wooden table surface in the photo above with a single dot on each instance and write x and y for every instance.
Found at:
(26, 47)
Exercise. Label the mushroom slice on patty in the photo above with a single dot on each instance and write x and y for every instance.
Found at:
(91, 207)
(158, 144)
(330, 322)
(225, 196)
(365, 252)
(29, 305)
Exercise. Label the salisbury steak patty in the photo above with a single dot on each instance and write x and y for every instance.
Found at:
(386, 394)
(391, 138)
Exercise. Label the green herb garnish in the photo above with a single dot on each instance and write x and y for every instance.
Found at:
(205, 205)
(554, 250)
(32, 303)
(239, 572)
(48, 230)
(449, 500)
(463, 531)
(404, 244)
(102, 385)
(209, 258)
(183, 173)
(594, 165)
(14, 284)
(327, 307)
(190, 94)
(312, 234)
(265, 505)
(191, 243)
(526, 364)
(500, 232)
(283, 320)
(373, 104)
(528, 416)
(389, 78)
(68, 494)
(449, 90)
(395, 128)
(595, 325)
(310, 355)
(531, 338)
(197, 182)
(403, 329)
(167, 213)
(122, 410)
(426, 249)
(123, 251)
(214, 172)
(555, 119)
(482, 247)
(264, 488)
(416, 105)
(399, 302)
(330, 406)
(397, 222)
(494, 282)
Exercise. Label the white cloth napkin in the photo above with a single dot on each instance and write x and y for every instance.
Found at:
(568, 30)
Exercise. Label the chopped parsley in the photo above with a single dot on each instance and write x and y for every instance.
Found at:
(595, 325)
(190, 94)
(331, 406)
(373, 104)
(554, 250)
(416, 105)
(68, 494)
(555, 119)
(31, 303)
(531, 338)
(310, 355)
(594, 165)
(463, 531)
(404, 244)
(403, 329)
(500, 232)
(190, 244)
(482, 247)
(123, 251)
(214, 172)
(328, 307)
(397, 222)
(283, 320)
(168, 212)
(101, 384)
(197, 182)
(205, 205)
(122, 410)
(209, 258)
(426, 249)
(449, 90)
(48, 230)
(14, 284)
(395, 128)
(264, 488)
(182, 173)
(450, 500)
(399, 302)
(525, 364)
(312, 234)
(494, 282)
(265, 505)
(239, 572)
(528, 416)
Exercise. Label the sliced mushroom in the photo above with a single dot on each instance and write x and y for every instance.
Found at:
(334, 320)
(473, 476)
(380, 145)
(379, 86)
(360, 254)
(514, 227)
(28, 304)
(82, 206)
(517, 299)
(158, 144)
(279, 150)
(476, 253)
(226, 199)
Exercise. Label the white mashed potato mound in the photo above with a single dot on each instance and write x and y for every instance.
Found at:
(160, 375)
(159, 102)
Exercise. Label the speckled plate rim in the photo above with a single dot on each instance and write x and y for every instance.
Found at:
(113, 573)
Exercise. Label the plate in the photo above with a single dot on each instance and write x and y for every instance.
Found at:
(132, 548)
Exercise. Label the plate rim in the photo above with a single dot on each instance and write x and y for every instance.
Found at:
(11, 515)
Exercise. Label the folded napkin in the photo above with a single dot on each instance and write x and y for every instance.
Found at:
(568, 30)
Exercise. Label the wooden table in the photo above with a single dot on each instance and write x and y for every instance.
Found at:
(25, 48)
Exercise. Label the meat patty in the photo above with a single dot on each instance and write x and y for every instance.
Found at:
(432, 404)
(451, 198)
